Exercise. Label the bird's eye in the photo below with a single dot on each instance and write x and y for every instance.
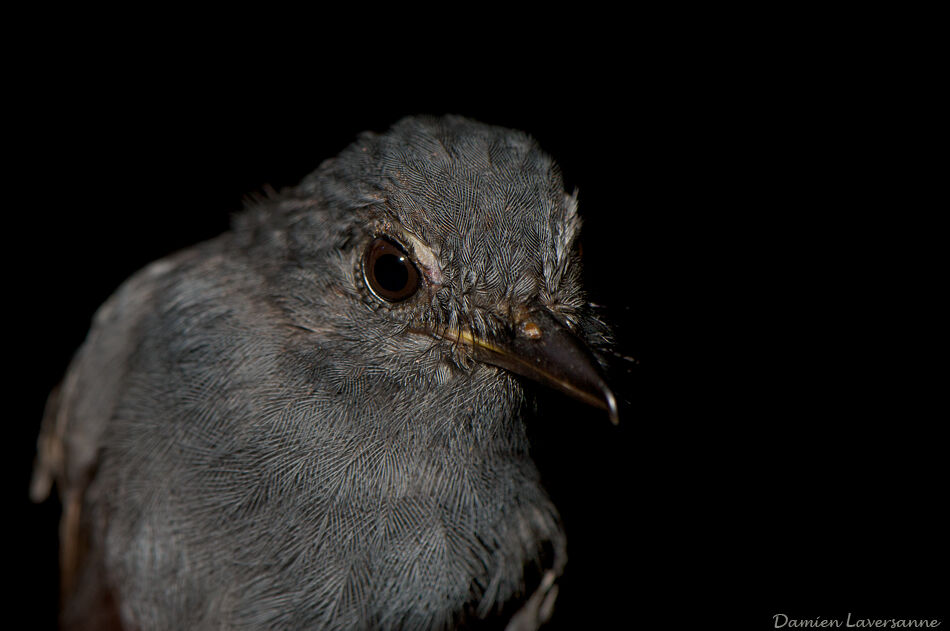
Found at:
(389, 272)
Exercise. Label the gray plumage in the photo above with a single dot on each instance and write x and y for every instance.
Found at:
(250, 438)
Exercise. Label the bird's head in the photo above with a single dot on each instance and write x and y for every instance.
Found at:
(446, 245)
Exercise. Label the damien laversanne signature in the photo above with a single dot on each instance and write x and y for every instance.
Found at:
(783, 621)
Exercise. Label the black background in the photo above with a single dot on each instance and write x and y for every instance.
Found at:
(749, 226)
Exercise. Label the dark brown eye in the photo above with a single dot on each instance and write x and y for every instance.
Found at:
(388, 271)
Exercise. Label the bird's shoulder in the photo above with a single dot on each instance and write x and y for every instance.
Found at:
(79, 407)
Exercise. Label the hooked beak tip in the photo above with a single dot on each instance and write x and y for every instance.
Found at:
(612, 406)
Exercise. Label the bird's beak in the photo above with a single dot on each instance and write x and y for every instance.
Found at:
(543, 349)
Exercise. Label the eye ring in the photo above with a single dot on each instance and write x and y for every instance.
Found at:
(388, 271)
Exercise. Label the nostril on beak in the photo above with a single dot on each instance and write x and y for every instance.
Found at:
(530, 330)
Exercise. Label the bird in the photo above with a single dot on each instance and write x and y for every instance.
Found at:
(317, 420)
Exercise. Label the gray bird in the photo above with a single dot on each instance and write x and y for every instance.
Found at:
(316, 420)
